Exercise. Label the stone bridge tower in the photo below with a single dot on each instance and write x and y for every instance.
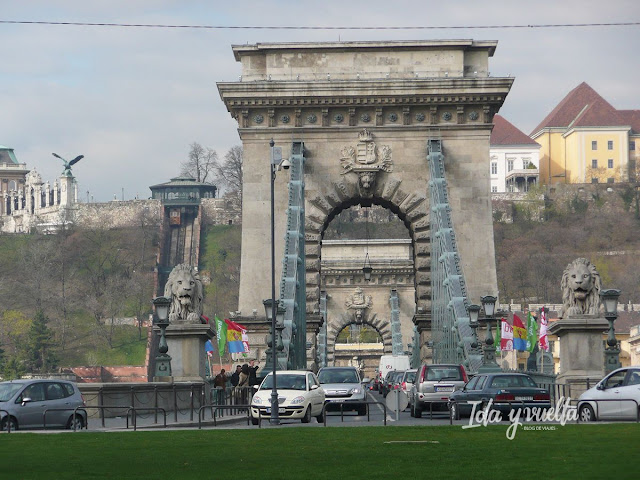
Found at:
(365, 111)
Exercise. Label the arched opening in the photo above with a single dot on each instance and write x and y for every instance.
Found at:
(367, 319)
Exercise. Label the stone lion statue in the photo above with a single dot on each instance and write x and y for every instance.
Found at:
(185, 290)
(580, 289)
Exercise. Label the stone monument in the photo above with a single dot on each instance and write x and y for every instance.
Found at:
(187, 331)
(580, 326)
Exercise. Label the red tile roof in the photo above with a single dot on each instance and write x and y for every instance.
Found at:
(505, 133)
(584, 107)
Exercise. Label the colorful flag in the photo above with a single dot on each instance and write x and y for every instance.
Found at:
(498, 335)
(532, 332)
(542, 336)
(234, 336)
(519, 334)
(208, 347)
(506, 336)
(221, 330)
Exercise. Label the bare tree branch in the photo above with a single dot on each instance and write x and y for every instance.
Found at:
(201, 164)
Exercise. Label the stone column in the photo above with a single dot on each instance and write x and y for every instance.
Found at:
(66, 191)
(581, 349)
(186, 348)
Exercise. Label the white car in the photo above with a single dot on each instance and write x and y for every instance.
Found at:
(615, 397)
(299, 397)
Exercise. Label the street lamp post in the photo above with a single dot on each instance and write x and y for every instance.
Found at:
(161, 319)
(489, 363)
(275, 162)
(474, 313)
(612, 351)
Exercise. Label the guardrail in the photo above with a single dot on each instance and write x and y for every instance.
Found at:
(75, 414)
(350, 405)
(597, 413)
(134, 410)
(215, 408)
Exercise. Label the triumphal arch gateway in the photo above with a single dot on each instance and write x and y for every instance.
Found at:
(362, 114)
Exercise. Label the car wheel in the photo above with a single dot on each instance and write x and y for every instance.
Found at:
(79, 422)
(254, 420)
(13, 421)
(362, 410)
(307, 415)
(586, 413)
(454, 411)
(417, 411)
(412, 412)
(320, 418)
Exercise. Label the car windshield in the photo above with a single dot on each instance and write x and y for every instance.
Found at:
(506, 381)
(286, 381)
(411, 377)
(8, 390)
(338, 376)
(443, 373)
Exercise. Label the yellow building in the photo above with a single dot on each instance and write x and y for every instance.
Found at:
(586, 140)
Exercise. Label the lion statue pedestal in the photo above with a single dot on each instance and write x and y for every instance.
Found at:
(186, 334)
(186, 347)
(580, 326)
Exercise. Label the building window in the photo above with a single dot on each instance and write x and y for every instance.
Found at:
(594, 163)
(610, 180)
(594, 180)
(494, 189)
(13, 185)
(610, 145)
(632, 145)
(494, 168)
(594, 145)
(610, 163)
(509, 165)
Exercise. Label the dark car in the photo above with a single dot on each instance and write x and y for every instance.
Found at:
(505, 391)
(392, 381)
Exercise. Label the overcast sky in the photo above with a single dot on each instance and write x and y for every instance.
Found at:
(132, 100)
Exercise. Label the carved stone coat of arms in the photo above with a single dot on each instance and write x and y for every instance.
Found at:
(366, 159)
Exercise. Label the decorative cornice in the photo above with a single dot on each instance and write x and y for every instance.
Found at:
(344, 101)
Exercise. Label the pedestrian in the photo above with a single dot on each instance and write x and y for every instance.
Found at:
(244, 376)
(235, 377)
(253, 373)
(220, 380)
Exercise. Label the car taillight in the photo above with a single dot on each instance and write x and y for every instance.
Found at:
(542, 396)
(465, 379)
(505, 397)
(404, 385)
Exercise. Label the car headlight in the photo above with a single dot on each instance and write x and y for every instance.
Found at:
(297, 400)
(257, 400)
(354, 391)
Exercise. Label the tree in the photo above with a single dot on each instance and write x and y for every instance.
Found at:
(39, 354)
(230, 172)
(201, 164)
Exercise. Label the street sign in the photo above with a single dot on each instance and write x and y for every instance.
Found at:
(397, 401)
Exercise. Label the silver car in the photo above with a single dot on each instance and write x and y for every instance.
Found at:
(615, 397)
(433, 385)
(23, 404)
(343, 385)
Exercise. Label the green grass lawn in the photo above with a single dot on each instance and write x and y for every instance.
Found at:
(572, 451)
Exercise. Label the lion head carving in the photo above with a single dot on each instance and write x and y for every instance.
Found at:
(580, 289)
(185, 290)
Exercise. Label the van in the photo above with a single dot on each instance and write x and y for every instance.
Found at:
(389, 363)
